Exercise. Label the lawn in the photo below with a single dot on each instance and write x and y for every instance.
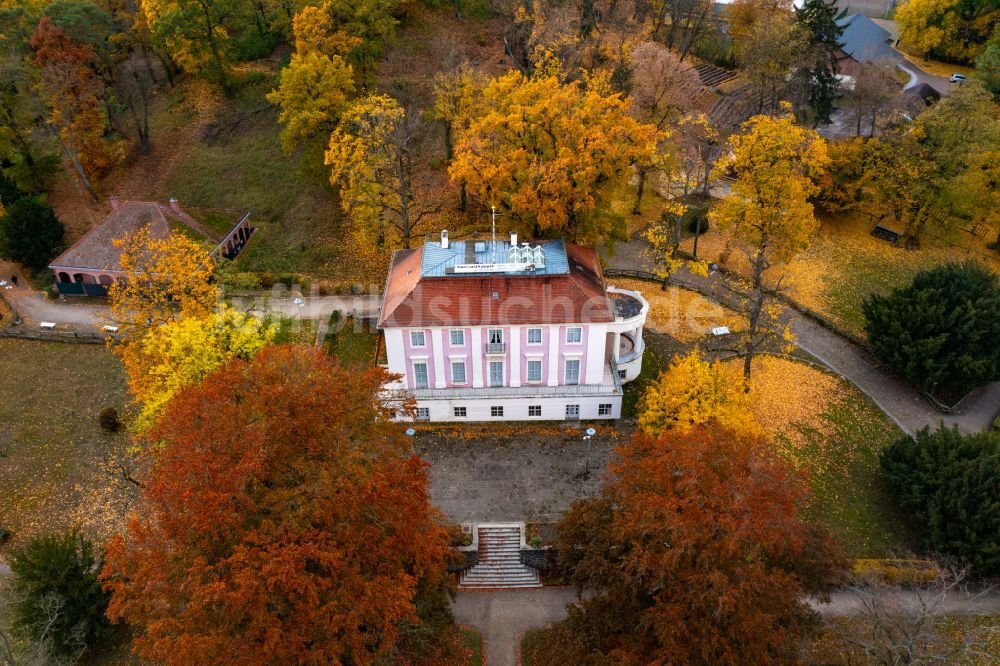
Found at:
(529, 643)
(219, 222)
(473, 642)
(844, 264)
(352, 340)
(53, 454)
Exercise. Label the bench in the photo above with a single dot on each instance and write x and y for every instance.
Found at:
(720, 330)
(886, 234)
(110, 329)
(47, 325)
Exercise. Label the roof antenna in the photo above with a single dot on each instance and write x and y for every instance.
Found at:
(493, 216)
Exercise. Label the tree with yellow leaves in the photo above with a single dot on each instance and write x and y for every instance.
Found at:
(776, 164)
(163, 278)
(195, 34)
(167, 358)
(951, 30)
(456, 96)
(554, 154)
(317, 83)
(370, 158)
(693, 392)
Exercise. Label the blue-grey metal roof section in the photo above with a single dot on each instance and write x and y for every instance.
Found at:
(866, 41)
(440, 262)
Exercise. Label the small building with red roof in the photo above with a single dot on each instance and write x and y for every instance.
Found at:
(93, 263)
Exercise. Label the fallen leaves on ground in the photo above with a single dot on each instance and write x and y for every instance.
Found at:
(787, 395)
(682, 314)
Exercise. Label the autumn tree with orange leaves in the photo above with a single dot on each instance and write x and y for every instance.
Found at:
(285, 520)
(74, 94)
(697, 554)
(554, 154)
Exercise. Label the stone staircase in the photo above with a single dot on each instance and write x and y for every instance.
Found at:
(500, 560)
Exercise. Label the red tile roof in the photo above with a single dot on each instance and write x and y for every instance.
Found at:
(577, 297)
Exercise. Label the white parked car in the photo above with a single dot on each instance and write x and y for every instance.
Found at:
(957, 78)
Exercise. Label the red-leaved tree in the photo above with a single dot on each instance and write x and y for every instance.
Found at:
(76, 111)
(696, 554)
(285, 521)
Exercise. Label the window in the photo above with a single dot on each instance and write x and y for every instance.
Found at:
(574, 334)
(457, 338)
(460, 413)
(496, 373)
(534, 370)
(417, 339)
(458, 372)
(496, 410)
(534, 336)
(423, 413)
(420, 375)
(572, 411)
(621, 374)
(534, 410)
(573, 371)
(604, 409)
(494, 339)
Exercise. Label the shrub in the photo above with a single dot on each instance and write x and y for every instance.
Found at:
(30, 233)
(996, 424)
(109, 420)
(896, 572)
(696, 220)
(948, 485)
(58, 600)
(940, 332)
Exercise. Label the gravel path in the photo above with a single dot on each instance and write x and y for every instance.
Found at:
(34, 307)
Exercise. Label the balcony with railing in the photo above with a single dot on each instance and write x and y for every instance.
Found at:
(496, 348)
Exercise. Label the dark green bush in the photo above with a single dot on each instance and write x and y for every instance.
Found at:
(254, 45)
(696, 220)
(940, 332)
(57, 598)
(30, 233)
(109, 420)
(948, 485)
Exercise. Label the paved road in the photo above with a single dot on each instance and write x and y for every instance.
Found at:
(505, 615)
(918, 76)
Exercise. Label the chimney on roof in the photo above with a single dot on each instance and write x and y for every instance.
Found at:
(176, 206)
(513, 239)
(115, 202)
(444, 239)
